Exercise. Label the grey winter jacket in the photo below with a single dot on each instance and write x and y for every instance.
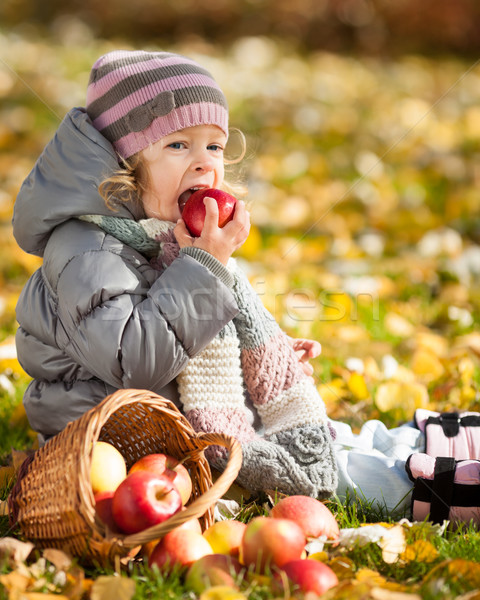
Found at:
(96, 317)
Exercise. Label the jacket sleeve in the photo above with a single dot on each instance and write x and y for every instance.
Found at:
(132, 333)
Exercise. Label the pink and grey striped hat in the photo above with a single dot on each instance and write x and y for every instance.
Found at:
(134, 98)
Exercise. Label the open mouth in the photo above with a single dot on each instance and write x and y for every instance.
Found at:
(184, 196)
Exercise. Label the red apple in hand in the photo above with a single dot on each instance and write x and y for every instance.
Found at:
(310, 575)
(194, 211)
(163, 464)
(269, 542)
(312, 515)
(144, 499)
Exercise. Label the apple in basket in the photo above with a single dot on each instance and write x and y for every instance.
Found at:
(169, 466)
(104, 508)
(107, 469)
(193, 212)
(144, 499)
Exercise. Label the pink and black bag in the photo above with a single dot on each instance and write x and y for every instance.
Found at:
(446, 477)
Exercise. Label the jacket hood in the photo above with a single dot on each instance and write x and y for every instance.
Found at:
(63, 184)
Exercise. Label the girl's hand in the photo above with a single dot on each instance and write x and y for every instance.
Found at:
(220, 242)
(305, 350)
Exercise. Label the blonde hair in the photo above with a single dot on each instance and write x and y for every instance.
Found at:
(126, 186)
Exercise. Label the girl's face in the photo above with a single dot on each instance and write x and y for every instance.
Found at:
(176, 165)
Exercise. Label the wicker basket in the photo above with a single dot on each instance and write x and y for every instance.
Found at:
(53, 500)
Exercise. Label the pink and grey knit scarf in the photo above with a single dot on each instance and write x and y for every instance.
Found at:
(250, 363)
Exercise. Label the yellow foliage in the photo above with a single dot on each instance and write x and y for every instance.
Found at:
(252, 245)
(358, 387)
(401, 398)
(420, 551)
(426, 365)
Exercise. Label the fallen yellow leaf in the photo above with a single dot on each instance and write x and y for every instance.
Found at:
(398, 325)
(60, 559)
(14, 551)
(401, 398)
(18, 457)
(393, 544)
(370, 576)
(420, 551)
(7, 475)
(358, 387)
(386, 594)
(426, 365)
(15, 582)
(222, 592)
(42, 596)
(112, 587)
(432, 342)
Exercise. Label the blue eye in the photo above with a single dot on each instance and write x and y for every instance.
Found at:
(176, 145)
(215, 147)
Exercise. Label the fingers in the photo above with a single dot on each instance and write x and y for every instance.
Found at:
(307, 369)
(211, 215)
(240, 224)
(182, 234)
(235, 231)
(311, 348)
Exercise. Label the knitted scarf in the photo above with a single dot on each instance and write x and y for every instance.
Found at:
(249, 362)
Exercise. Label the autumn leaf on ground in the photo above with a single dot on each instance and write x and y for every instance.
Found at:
(15, 583)
(427, 366)
(385, 594)
(358, 387)
(401, 398)
(457, 569)
(393, 544)
(222, 592)
(58, 558)
(14, 551)
(18, 458)
(112, 588)
(390, 539)
(420, 551)
(7, 474)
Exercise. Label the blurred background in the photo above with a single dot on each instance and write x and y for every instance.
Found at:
(362, 119)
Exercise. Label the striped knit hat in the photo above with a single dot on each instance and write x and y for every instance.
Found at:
(134, 98)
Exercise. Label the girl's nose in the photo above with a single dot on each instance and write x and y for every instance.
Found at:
(203, 162)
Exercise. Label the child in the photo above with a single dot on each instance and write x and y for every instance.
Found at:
(126, 298)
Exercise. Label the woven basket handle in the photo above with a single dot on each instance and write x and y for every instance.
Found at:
(199, 506)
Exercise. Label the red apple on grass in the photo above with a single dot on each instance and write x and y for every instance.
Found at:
(225, 537)
(191, 524)
(269, 543)
(179, 547)
(310, 575)
(144, 499)
(169, 466)
(194, 211)
(213, 569)
(312, 515)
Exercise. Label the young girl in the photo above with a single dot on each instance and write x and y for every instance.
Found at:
(126, 298)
